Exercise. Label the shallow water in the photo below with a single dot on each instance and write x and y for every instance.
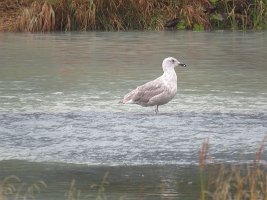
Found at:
(59, 94)
(125, 182)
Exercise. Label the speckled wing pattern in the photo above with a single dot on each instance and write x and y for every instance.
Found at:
(142, 94)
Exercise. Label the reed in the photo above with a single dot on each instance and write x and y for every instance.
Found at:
(235, 182)
(12, 187)
(203, 157)
(38, 18)
(111, 15)
(74, 193)
(231, 14)
(115, 15)
(85, 15)
(259, 14)
(245, 14)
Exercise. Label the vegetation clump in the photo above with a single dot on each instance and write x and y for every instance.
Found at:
(198, 15)
(12, 187)
(39, 18)
(236, 181)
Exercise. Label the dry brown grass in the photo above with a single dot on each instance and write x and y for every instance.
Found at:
(67, 15)
(12, 187)
(233, 182)
(38, 18)
(9, 12)
(193, 13)
(112, 15)
(202, 159)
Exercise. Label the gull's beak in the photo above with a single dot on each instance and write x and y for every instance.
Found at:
(182, 64)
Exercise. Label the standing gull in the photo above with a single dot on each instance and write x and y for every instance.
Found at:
(159, 91)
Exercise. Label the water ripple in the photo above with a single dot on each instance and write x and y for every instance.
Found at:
(129, 138)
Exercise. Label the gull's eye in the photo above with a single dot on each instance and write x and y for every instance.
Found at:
(172, 60)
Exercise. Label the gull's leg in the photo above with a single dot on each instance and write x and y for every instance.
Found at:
(157, 109)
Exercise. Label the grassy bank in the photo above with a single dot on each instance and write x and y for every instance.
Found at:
(68, 15)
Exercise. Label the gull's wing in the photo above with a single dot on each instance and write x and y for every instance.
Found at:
(142, 94)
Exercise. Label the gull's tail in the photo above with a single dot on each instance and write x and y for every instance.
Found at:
(128, 98)
(125, 101)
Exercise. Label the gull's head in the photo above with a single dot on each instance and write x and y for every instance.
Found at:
(171, 63)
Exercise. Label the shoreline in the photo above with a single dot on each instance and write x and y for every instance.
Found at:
(61, 15)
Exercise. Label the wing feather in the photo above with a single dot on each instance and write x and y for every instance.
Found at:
(142, 94)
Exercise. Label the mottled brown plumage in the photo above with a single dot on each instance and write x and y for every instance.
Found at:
(159, 91)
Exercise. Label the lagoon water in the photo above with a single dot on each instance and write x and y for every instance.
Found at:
(60, 118)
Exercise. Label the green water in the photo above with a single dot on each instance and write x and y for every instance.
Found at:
(60, 119)
(129, 182)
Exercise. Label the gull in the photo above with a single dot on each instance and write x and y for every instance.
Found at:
(159, 91)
